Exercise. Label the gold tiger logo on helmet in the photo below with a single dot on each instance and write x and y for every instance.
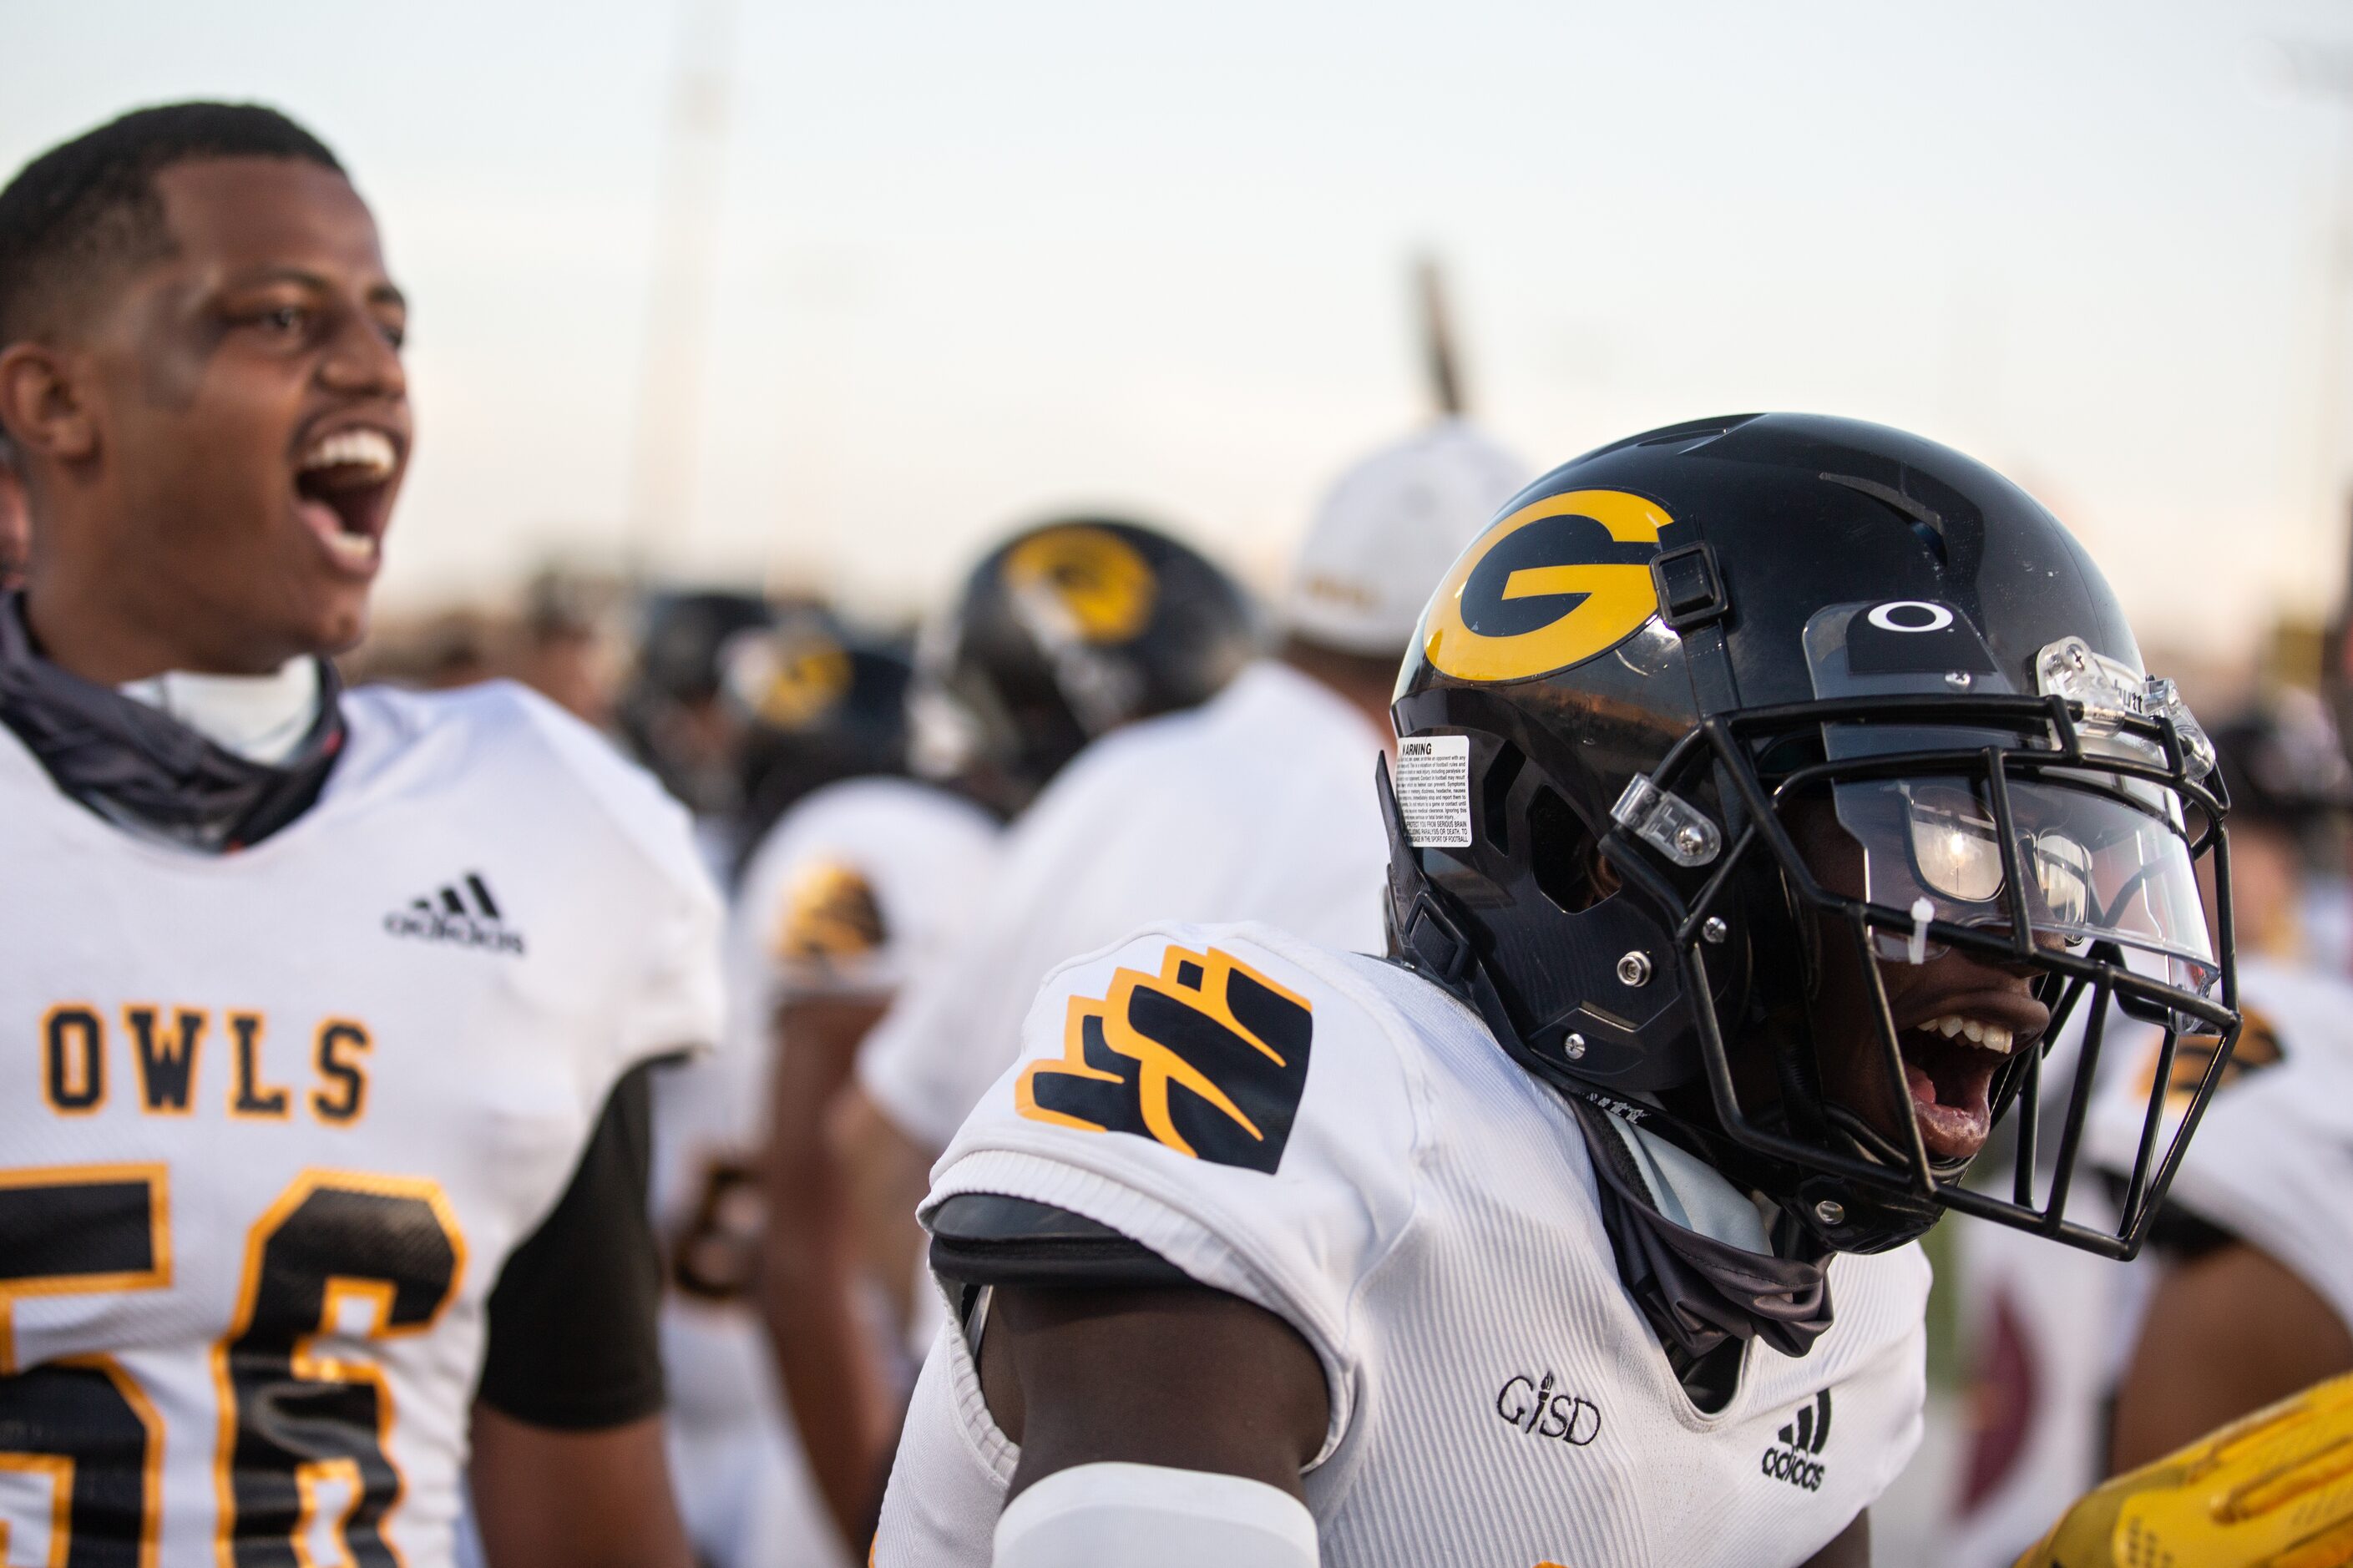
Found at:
(1557, 582)
(1081, 584)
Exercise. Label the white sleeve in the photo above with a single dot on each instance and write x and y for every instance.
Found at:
(1238, 1102)
(1113, 1515)
(2273, 1158)
(679, 1000)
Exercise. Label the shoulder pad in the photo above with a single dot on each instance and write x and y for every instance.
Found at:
(987, 1238)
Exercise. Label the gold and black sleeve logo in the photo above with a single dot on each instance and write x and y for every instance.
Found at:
(2259, 1046)
(1557, 582)
(1208, 1058)
(830, 915)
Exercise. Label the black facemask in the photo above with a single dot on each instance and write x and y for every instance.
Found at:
(141, 768)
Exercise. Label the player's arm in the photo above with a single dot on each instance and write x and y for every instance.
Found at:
(810, 1264)
(545, 1498)
(569, 1468)
(1171, 1410)
(2227, 1331)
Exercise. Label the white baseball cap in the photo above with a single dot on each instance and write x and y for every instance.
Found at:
(1386, 532)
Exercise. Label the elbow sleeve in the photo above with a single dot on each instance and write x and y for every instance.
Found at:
(1148, 1516)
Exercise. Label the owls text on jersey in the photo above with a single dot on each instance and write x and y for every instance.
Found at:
(278, 1121)
(859, 884)
(1342, 1143)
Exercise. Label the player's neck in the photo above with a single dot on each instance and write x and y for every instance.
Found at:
(105, 632)
(262, 718)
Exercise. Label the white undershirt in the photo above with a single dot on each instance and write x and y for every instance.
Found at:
(261, 718)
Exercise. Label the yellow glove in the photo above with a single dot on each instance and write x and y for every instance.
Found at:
(2272, 1490)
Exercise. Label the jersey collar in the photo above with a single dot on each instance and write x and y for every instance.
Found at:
(144, 771)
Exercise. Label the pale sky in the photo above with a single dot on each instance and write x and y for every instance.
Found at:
(975, 261)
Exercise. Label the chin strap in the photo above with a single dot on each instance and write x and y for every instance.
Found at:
(143, 770)
(1700, 1294)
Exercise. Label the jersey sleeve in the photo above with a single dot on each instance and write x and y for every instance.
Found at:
(572, 1338)
(858, 888)
(1235, 1100)
(2273, 1157)
(669, 994)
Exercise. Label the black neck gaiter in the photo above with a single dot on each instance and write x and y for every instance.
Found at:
(141, 768)
(1705, 1298)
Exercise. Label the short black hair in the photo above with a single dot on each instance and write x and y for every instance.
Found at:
(77, 215)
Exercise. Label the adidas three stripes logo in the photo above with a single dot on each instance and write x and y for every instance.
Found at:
(463, 913)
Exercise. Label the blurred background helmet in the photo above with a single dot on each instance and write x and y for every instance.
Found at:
(820, 702)
(1386, 529)
(1061, 635)
(1621, 687)
(669, 712)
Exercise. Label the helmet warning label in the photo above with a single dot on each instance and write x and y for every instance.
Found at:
(1433, 791)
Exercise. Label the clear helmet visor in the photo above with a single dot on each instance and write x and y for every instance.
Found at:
(2099, 866)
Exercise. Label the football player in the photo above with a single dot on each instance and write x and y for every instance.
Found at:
(2250, 1294)
(1252, 807)
(1766, 788)
(1063, 633)
(329, 1012)
(862, 876)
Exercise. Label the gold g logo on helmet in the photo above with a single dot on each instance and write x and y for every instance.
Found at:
(1081, 584)
(1557, 582)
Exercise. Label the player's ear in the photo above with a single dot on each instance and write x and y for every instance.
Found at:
(43, 405)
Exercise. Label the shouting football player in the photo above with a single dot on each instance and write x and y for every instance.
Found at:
(1766, 788)
(329, 1012)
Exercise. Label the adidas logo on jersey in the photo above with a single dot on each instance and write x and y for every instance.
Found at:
(1803, 1436)
(462, 912)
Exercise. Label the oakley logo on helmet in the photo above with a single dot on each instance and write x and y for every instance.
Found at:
(1557, 582)
(1910, 615)
(1208, 1058)
(1081, 584)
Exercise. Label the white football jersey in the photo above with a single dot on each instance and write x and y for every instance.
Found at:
(1343, 1143)
(2273, 1158)
(275, 1120)
(1257, 805)
(858, 885)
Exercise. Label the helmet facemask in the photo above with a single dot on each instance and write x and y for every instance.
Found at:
(2053, 836)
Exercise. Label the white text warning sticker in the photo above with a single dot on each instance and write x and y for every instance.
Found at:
(1433, 791)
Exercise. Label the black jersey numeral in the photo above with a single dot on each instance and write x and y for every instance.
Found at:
(299, 1417)
(81, 1423)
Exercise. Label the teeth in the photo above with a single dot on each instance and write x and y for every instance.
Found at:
(369, 450)
(1993, 1037)
(352, 549)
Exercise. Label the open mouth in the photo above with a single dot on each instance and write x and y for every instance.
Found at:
(1949, 1062)
(344, 489)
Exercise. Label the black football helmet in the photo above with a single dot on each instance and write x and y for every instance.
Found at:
(1622, 688)
(669, 710)
(821, 702)
(1062, 632)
